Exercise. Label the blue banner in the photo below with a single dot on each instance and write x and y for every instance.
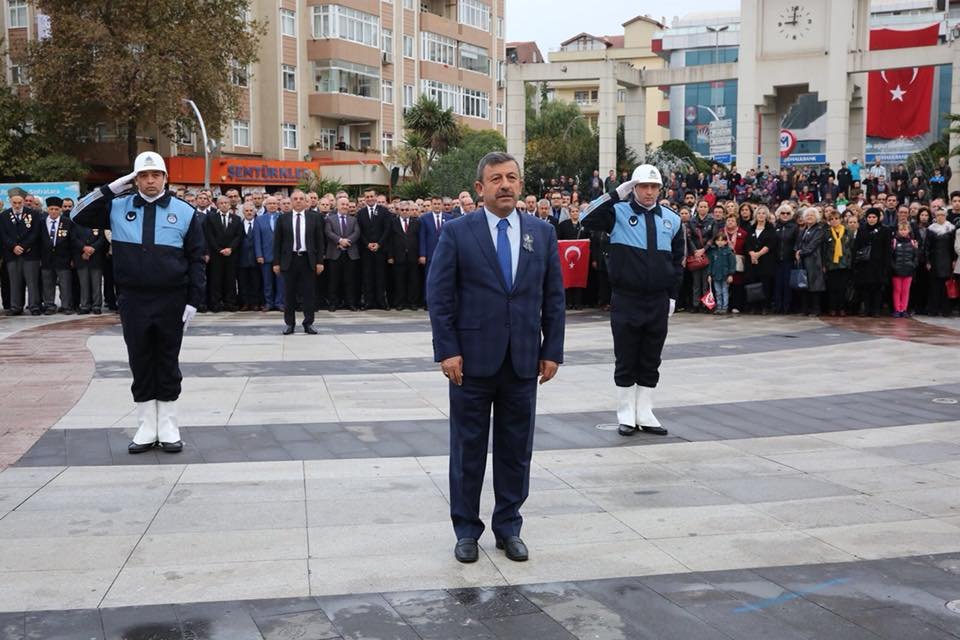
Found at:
(803, 158)
(42, 190)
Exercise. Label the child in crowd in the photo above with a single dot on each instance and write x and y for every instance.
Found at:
(904, 258)
(722, 266)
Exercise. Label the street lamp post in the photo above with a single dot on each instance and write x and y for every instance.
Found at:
(716, 46)
(206, 144)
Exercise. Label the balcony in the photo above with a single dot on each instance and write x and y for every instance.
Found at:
(333, 156)
(343, 106)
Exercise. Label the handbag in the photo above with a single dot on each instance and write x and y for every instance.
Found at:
(695, 263)
(953, 292)
(755, 292)
(708, 300)
(740, 264)
(863, 254)
(798, 277)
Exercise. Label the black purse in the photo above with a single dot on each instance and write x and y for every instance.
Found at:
(863, 254)
(754, 292)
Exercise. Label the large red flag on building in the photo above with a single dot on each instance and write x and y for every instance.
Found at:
(899, 100)
(574, 262)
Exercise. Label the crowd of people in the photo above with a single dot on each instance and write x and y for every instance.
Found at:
(861, 240)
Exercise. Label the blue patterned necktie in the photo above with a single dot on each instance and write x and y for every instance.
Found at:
(503, 251)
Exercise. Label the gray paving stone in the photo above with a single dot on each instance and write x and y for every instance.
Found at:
(778, 488)
(155, 622)
(437, 615)
(217, 621)
(366, 618)
(531, 625)
(493, 602)
(302, 624)
(12, 626)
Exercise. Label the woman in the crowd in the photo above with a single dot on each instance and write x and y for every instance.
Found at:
(746, 216)
(761, 262)
(939, 258)
(920, 287)
(736, 237)
(786, 231)
(808, 254)
(702, 230)
(837, 258)
(870, 262)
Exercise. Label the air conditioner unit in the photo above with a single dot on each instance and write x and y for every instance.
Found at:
(500, 84)
(387, 57)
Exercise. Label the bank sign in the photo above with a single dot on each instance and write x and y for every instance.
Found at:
(270, 174)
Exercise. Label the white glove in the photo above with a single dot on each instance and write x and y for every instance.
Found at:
(624, 190)
(188, 313)
(673, 305)
(120, 185)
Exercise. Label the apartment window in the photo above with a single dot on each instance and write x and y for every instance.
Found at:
(387, 88)
(327, 138)
(241, 133)
(17, 75)
(386, 41)
(407, 46)
(334, 21)
(363, 139)
(500, 27)
(341, 76)
(288, 132)
(474, 58)
(17, 14)
(442, 93)
(386, 146)
(475, 14)
(476, 104)
(585, 97)
(437, 48)
(499, 113)
(499, 70)
(407, 95)
(408, 4)
(621, 95)
(239, 75)
(289, 77)
(288, 23)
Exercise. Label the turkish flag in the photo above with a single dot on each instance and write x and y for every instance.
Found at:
(898, 100)
(574, 262)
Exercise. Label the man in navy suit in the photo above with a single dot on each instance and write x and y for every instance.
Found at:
(248, 271)
(263, 228)
(431, 224)
(496, 303)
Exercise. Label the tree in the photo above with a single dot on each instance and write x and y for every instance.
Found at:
(430, 132)
(134, 62)
(559, 142)
(18, 147)
(56, 167)
(315, 182)
(456, 170)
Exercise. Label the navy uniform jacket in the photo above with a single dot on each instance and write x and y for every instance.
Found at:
(84, 237)
(633, 266)
(248, 254)
(475, 315)
(56, 256)
(157, 247)
(25, 232)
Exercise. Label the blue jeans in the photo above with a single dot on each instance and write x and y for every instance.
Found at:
(721, 291)
(272, 287)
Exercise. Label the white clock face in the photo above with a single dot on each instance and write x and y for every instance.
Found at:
(794, 22)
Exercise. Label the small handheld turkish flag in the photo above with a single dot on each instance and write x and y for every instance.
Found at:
(574, 262)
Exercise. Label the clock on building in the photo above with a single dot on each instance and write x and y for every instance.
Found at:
(793, 26)
(795, 22)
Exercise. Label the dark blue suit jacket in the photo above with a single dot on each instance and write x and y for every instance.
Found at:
(472, 312)
(429, 234)
(248, 256)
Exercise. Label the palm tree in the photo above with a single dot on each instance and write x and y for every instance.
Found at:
(431, 127)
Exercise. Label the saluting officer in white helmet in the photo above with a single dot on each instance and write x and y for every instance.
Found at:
(158, 268)
(646, 251)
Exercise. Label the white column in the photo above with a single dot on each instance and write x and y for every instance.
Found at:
(635, 120)
(769, 118)
(857, 138)
(747, 135)
(516, 112)
(955, 108)
(607, 121)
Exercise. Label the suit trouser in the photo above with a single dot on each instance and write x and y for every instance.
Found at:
(4, 285)
(248, 283)
(91, 294)
(406, 284)
(514, 403)
(24, 272)
(222, 284)
(272, 286)
(299, 279)
(52, 278)
(341, 280)
(153, 331)
(639, 325)
(374, 269)
(109, 287)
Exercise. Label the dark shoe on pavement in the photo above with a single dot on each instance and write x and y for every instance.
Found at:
(95, 312)
(466, 550)
(627, 430)
(657, 431)
(514, 548)
(288, 330)
(172, 447)
(133, 447)
(310, 330)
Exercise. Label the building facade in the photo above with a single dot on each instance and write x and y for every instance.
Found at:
(334, 78)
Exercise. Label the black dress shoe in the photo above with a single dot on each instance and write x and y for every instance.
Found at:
(657, 431)
(310, 330)
(627, 430)
(133, 447)
(288, 330)
(332, 309)
(353, 308)
(172, 447)
(466, 550)
(514, 548)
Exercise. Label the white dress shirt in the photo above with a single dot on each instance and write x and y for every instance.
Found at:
(513, 235)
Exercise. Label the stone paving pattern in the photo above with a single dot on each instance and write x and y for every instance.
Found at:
(809, 490)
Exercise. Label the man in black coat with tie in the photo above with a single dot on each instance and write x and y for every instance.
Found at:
(374, 221)
(20, 231)
(403, 254)
(224, 232)
(55, 258)
(298, 253)
(89, 254)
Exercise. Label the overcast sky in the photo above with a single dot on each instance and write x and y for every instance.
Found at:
(550, 22)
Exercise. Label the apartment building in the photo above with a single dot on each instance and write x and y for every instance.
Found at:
(332, 83)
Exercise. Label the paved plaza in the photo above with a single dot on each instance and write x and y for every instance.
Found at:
(809, 488)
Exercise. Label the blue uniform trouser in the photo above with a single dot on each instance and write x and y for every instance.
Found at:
(272, 286)
(153, 331)
(639, 326)
(514, 403)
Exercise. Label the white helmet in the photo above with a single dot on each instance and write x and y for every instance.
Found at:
(647, 174)
(149, 161)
